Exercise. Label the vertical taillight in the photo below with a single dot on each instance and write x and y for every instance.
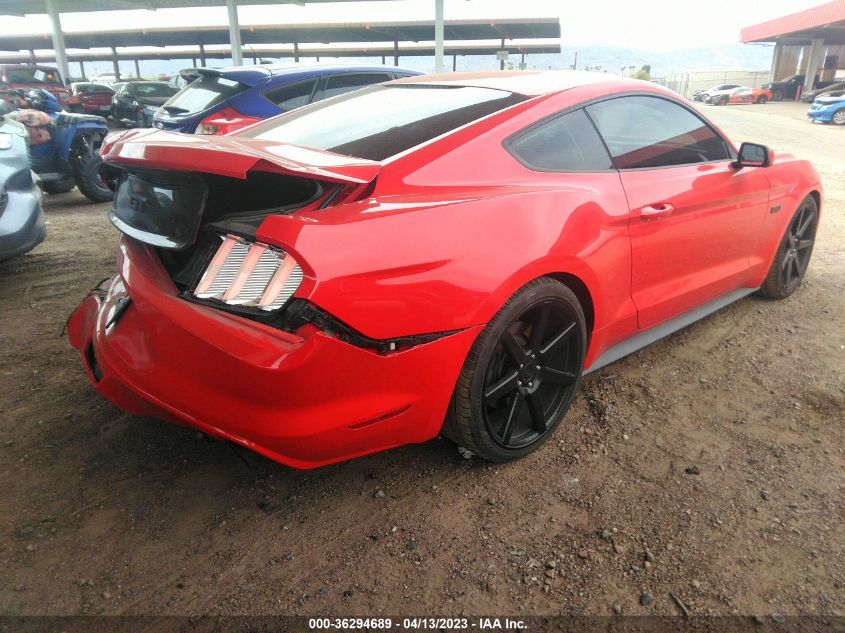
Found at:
(249, 274)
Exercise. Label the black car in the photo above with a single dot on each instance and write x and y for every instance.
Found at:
(134, 102)
(825, 91)
(787, 88)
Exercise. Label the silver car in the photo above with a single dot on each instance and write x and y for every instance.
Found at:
(21, 217)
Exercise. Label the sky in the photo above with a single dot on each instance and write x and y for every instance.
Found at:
(656, 25)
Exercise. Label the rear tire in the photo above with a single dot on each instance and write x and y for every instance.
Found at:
(793, 255)
(520, 375)
(89, 181)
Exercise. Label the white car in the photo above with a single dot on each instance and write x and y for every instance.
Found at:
(104, 78)
(705, 95)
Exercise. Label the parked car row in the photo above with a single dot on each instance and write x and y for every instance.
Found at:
(51, 138)
(220, 101)
(724, 94)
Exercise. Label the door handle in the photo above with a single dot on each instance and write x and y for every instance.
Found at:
(655, 211)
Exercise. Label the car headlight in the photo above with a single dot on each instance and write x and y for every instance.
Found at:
(249, 274)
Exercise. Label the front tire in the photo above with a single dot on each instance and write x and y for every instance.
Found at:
(762, 99)
(838, 117)
(520, 375)
(88, 178)
(777, 95)
(793, 255)
(58, 186)
(140, 119)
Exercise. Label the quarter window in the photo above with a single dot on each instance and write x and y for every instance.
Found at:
(292, 96)
(652, 132)
(566, 143)
(338, 84)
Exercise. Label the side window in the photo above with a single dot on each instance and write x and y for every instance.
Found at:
(566, 143)
(291, 96)
(338, 84)
(653, 132)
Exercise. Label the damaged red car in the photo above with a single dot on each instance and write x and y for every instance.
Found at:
(442, 254)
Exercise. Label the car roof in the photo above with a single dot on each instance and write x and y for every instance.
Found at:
(254, 75)
(530, 83)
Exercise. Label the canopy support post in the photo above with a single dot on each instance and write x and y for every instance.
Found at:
(114, 64)
(438, 36)
(235, 33)
(58, 39)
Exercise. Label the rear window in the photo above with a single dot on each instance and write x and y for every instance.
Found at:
(153, 90)
(202, 94)
(380, 121)
(32, 76)
(80, 88)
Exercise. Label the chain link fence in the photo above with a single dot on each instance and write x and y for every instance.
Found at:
(686, 84)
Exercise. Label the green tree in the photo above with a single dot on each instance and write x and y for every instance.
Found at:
(643, 73)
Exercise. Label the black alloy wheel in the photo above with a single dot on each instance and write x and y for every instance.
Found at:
(762, 99)
(533, 370)
(793, 256)
(521, 374)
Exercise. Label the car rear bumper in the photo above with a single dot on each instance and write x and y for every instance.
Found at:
(305, 401)
(21, 222)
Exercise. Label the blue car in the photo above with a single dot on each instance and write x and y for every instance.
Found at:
(222, 100)
(829, 108)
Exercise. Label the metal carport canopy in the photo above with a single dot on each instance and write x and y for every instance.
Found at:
(54, 8)
(286, 51)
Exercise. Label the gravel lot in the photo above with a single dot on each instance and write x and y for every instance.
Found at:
(709, 466)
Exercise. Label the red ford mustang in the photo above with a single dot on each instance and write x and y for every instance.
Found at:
(342, 279)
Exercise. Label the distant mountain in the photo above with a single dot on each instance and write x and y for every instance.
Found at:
(611, 59)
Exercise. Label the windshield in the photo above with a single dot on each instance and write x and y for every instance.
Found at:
(153, 90)
(383, 120)
(203, 93)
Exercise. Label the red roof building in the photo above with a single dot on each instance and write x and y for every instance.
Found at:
(809, 43)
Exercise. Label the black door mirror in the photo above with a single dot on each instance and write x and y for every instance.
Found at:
(753, 155)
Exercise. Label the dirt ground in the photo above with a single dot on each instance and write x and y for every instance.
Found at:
(709, 466)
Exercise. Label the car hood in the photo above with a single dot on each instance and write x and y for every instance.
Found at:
(231, 156)
(829, 100)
